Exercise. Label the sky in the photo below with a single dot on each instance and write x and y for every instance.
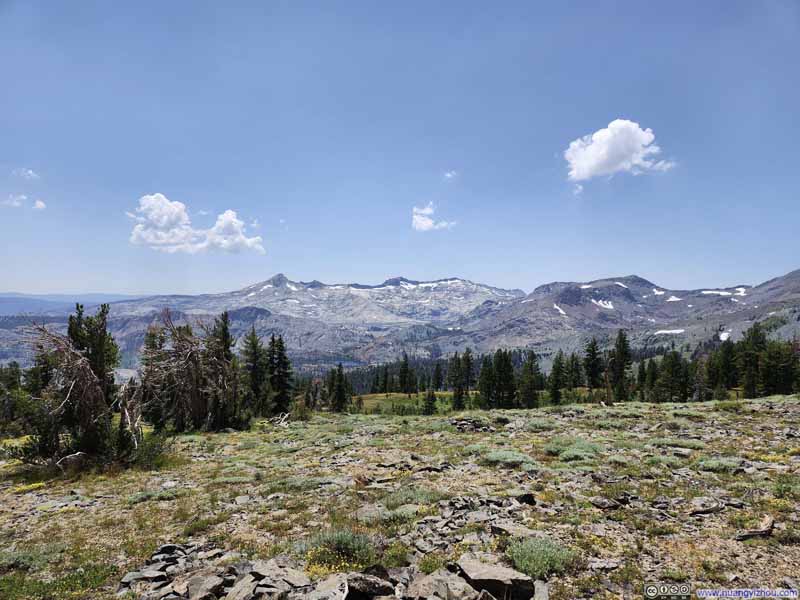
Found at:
(187, 147)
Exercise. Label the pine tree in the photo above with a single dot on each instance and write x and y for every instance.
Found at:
(281, 381)
(700, 390)
(505, 385)
(456, 380)
(404, 375)
(641, 380)
(529, 381)
(256, 375)
(574, 372)
(429, 408)
(467, 369)
(556, 379)
(339, 397)
(385, 387)
(593, 365)
(486, 383)
(670, 379)
(90, 335)
(438, 379)
(621, 360)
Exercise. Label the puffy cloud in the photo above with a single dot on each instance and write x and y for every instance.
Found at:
(623, 146)
(39, 205)
(23, 173)
(450, 174)
(577, 189)
(422, 219)
(14, 200)
(164, 225)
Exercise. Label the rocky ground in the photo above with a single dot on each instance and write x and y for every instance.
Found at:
(562, 503)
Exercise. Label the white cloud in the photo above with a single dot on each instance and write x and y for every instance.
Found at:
(621, 147)
(164, 225)
(422, 219)
(14, 201)
(577, 190)
(450, 174)
(23, 173)
(39, 205)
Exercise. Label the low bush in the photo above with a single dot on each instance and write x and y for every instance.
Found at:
(412, 495)
(678, 443)
(718, 465)
(571, 449)
(509, 458)
(540, 558)
(339, 550)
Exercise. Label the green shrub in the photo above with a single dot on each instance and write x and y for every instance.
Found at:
(433, 561)
(571, 449)
(540, 558)
(535, 425)
(412, 495)
(509, 458)
(718, 465)
(339, 549)
(157, 495)
(787, 486)
(395, 555)
(678, 443)
(154, 451)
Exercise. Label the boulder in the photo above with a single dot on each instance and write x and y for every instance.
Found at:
(441, 585)
(203, 587)
(485, 572)
(704, 505)
(334, 587)
(364, 587)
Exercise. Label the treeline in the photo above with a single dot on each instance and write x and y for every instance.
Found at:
(69, 405)
(197, 382)
(754, 366)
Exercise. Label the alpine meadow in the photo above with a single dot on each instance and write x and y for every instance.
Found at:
(372, 301)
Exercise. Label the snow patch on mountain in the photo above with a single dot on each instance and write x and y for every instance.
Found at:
(607, 304)
(669, 331)
(674, 299)
(559, 309)
(717, 292)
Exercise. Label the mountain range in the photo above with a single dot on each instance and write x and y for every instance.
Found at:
(362, 324)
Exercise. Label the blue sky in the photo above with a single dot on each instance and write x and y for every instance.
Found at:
(319, 127)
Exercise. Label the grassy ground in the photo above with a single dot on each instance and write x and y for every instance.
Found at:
(265, 491)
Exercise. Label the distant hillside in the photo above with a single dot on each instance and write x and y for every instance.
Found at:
(362, 324)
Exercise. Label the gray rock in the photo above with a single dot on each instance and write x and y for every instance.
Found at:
(203, 587)
(764, 529)
(512, 529)
(333, 588)
(485, 572)
(604, 503)
(604, 564)
(279, 573)
(365, 586)
(704, 505)
(542, 592)
(441, 585)
(372, 513)
(243, 589)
